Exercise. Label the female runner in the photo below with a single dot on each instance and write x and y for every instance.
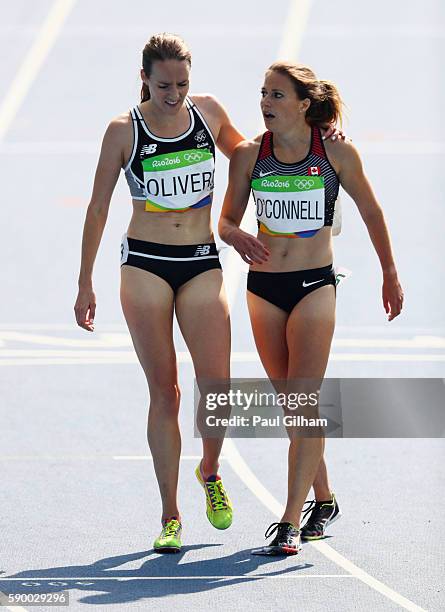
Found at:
(295, 178)
(166, 146)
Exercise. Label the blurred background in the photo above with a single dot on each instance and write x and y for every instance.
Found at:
(384, 56)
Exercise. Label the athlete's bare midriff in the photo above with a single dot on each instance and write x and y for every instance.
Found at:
(292, 254)
(177, 228)
(189, 227)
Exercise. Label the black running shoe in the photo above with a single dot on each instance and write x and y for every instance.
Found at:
(322, 514)
(286, 542)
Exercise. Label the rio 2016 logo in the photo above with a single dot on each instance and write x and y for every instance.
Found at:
(275, 183)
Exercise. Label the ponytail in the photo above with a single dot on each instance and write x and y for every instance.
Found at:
(327, 108)
(326, 103)
(145, 93)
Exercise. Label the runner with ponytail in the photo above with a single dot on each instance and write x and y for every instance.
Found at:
(294, 175)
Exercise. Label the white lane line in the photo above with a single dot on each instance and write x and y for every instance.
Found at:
(79, 358)
(369, 147)
(80, 354)
(100, 341)
(113, 328)
(295, 23)
(427, 342)
(51, 362)
(117, 327)
(385, 357)
(335, 30)
(47, 457)
(200, 29)
(150, 458)
(24, 148)
(401, 147)
(90, 458)
(212, 29)
(119, 340)
(244, 472)
(126, 578)
(33, 62)
(233, 266)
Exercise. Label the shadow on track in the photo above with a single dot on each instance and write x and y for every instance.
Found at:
(128, 585)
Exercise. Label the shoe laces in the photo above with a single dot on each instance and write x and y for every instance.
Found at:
(171, 528)
(314, 504)
(310, 506)
(281, 528)
(217, 495)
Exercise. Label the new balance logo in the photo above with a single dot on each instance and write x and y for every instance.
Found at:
(202, 250)
(148, 149)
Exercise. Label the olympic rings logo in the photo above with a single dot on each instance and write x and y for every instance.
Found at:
(200, 136)
(304, 183)
(193, 156)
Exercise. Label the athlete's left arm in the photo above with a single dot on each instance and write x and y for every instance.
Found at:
(224, 132)
(354, 180)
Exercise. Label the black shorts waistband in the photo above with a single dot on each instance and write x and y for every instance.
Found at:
(295, 275)
(185, 252)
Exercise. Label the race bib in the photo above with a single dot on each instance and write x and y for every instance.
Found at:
(178, 181)
(289, 204)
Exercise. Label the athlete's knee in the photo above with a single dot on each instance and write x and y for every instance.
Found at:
(214, 378)
(165, 399)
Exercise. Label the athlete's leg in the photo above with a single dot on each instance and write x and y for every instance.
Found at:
(147, 302)
(203, 317)
(321, 487)
(269, 332)
(274, 355)
(309, 334)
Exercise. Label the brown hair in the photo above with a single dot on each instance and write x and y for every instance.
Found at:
(162, 47)
(326, 103)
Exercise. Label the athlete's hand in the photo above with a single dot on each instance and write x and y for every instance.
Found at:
(250, 248)
(392, 295)
(85, 309)
(331, 131)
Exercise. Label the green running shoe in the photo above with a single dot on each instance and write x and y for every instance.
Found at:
(219, 507)
(169, 540)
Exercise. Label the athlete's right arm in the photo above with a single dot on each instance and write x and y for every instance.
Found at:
(107, 172)
(235, 202)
